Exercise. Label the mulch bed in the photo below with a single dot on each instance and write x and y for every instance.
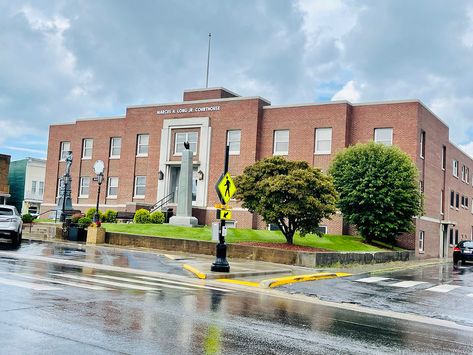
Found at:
(283, 246)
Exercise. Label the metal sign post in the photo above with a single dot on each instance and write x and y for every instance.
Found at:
(225, 189)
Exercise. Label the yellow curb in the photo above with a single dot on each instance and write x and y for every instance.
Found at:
(240, 282)
(196, 272)
(271, 283)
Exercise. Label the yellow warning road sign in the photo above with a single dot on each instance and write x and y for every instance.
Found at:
(224, 214)
(225, 188)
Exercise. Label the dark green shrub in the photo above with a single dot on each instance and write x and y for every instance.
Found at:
(156, 217)
(142, 216)
(110, 216)
(27, 218)
(84, 222)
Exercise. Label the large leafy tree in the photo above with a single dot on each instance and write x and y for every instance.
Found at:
(379, 190)
(291, 194)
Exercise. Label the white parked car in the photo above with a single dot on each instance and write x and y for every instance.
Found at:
(11, 225)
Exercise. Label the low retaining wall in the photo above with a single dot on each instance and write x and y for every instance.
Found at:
(279, 256)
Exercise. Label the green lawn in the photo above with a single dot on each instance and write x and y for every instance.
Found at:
(329, 242)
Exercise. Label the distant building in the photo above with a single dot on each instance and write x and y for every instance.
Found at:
(4, 188)
(26, 180)
(142, 152)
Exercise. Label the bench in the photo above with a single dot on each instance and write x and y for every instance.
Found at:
(125, 217)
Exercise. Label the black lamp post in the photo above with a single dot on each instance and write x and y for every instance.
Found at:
(99, 167)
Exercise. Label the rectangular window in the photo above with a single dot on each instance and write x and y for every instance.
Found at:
(455, 167)
(467, 175)
(383, 136)
(140, 186)
(112, 187)
(65, 148)
(452, 198)
(84, 186)
(442, 208)
(456, 236)
(33, 187)
(281, 142)
(87, 145)
(182, 137)
(41, 187)
(115, 147)
(59, 185)
(466, 202)
(451, 237)
(463, 172)
(142, 145)
(233, 140)
(421, 241)
(457, 200)
(422, 144)
(462, 201)
(444, 157)
(323, 140)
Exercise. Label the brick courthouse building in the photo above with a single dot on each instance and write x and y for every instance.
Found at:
(141, 151)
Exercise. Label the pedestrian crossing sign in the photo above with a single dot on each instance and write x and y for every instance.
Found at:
(225, 188)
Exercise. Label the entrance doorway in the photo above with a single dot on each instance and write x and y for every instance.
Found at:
(175, 172)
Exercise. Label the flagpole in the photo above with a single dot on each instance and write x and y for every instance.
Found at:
(208, 63)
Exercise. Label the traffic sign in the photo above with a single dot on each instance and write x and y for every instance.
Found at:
(225, 188)
(224, 214)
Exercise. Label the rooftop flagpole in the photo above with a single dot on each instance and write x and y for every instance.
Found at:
(208, 63)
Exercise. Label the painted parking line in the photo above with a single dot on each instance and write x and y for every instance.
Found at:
(108, 283)
(143, 282)
(405, 284)
(442, 288)
(373, 279)
(30, 285)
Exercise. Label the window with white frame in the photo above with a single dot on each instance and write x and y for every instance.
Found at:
(442, 208)
(59, 185)
(33, 187)
(233, 140)
(463, 172)
(181, 138)
(323, 140)
(455, 168)
(112, 187)
(40, 187)
(84, 186)
(383, 136)
(87, 145)
(444, 157)
(115, 147)
(421, 241)
(140, 186)
(467, 175)
(281, 142)
(65, 148)
(452, 198)
(142, 145)
(422, 144)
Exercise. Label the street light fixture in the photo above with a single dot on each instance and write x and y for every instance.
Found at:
(99, 167)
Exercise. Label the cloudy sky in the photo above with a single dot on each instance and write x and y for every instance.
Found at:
(63, 60)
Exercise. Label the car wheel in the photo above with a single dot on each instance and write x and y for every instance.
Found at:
(463, 262)
(15, 242)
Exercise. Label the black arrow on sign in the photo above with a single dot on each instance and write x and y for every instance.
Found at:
(225, 215)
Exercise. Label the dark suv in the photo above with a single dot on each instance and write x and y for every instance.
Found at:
(463, 252)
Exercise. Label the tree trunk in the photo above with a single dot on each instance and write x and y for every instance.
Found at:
(289, 237)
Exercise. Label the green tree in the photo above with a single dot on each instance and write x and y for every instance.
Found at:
(291, 194)
(379, 190)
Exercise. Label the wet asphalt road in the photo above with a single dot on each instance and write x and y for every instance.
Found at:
(51, 308)
(439, 291)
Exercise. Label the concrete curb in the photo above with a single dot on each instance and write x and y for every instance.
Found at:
(194, 271)
(280, 281)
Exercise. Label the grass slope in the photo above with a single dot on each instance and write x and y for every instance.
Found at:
(329, 242)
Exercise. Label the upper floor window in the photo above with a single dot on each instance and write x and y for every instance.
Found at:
(115, 147)
(455, 167)
(452, 198)
(422, 144)
(463, 172)
(33, 187)
(112, 187)
(142, 145)
(444, 157)
(182, 137)
(87, 145)
(40, 187)
(233, 140)
(281, 142)
(65, 148)
(140, 186)
(421, 241)
(84, 186)
(323, 140)
(383, 136)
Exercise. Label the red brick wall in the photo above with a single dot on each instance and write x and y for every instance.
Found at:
(4, 169)
(206, 94)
